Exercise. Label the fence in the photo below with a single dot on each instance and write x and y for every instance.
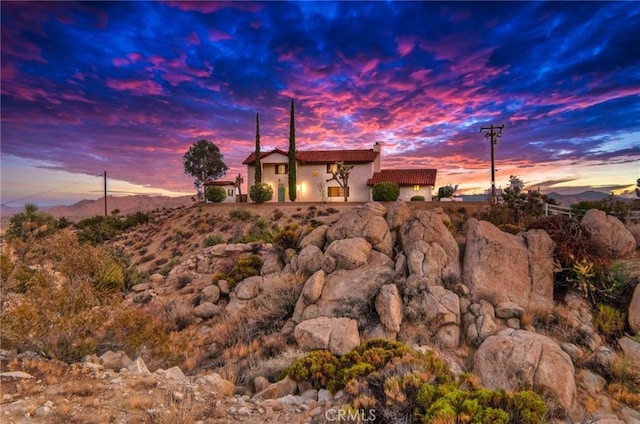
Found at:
(631, 216)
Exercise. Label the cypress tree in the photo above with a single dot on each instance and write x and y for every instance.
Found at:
(257, 163)
(292, 157)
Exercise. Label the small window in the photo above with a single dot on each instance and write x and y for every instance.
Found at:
(416, 187)
(229, 192)
(281, 168)
(314, 173)
(336, 191)
(332, 167)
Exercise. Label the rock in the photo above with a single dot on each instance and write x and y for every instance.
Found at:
(631, 349)
(389, 307)
(218, 384)
(16, 374)
(312, 289)
(339, 335)
(575, 353)
(141, 287)
(139, 367)
(248, 288)
(349, 253)
(279, 389)
(210, 293)
(634, 311)
(310, 260)
(448, 337)
(271, 263)
(509, 268)
(366, 222)
(206, 310)
(173, 373)
(224, 286)
(142, 298)
(437, 254)
(516, 358)
(315, 238)
(43, 411)
(509, 310)
(590, 382)
(609, 232)
(156, 278)
(260, 383)
(115, 360)
(396, 215)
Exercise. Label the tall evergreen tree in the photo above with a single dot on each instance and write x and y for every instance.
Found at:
(257, 164)
(292, 157)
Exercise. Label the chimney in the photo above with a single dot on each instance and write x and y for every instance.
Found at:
(376, 163)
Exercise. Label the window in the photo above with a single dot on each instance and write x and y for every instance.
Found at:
(314, 173)
(281, 168)
(332, 167)
(416, 187)
(229, 192)
(336, 191)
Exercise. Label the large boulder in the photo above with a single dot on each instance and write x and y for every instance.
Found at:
(513, 359)
(316, 237)
(338, 335)
(389, 307)
(349, 253)
(634, 311)
(430, 248)
(310, 259)
(366, 221)
(507, 267)
(609, 232)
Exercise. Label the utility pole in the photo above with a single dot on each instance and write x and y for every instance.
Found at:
(105, 193)
(492, 133)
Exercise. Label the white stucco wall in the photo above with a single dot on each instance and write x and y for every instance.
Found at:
(406, 193)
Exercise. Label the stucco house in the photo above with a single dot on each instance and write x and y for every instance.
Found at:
(314, 167)
(228, 186)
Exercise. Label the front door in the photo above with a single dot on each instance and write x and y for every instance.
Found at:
(281, 193)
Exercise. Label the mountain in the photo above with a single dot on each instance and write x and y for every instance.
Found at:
(571, 199)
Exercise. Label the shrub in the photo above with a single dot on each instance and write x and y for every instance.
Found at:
(216, 194)
(417, 198)
(245, 267)
(261, 193)
(287, 237)
(30, 223)
(243, 215)
(609, 321)
(213, 240)
(385, 192)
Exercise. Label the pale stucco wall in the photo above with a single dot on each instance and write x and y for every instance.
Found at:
(406, 193)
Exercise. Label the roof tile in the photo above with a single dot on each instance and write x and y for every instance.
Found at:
(405, 177)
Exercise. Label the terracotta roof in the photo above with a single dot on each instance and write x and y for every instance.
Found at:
(251, 158)
(323, 156)
(404, 177)
(333, 156)
(219, 183)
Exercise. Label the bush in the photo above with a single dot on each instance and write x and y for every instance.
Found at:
(213, 240)
(287, 237)
(30, 223)
(245, 267)
(216, 194)
(609, 321)
(261, 193)
(385, 192)
(417, 198)
(243, 215)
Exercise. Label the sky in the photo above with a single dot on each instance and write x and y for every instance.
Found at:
(128, 87)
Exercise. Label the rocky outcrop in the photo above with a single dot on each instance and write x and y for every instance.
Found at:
(349, 253)
(513, 359)
(389, 307)
(509, 268)
(609, 232)
(338, 335)
(365, 222)
(310, 259)
(431, 250)
(631, 349)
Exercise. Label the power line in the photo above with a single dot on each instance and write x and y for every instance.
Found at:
(492, 133)
(50, 191)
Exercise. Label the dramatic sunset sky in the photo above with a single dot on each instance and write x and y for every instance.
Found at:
(127, 87)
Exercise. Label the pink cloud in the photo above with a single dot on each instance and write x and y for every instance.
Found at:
(405, 45)
(212, 7)
(137, 87)
(134, 56)
(217, 35)
(119, 63)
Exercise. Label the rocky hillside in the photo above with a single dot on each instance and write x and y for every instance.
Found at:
(487, 302)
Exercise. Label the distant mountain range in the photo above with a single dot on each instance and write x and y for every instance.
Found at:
(562, 199)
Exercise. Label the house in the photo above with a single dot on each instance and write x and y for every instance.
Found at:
(314, 168)
(228, 186)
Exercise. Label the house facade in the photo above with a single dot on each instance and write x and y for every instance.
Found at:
(228, 186)
(314, 169)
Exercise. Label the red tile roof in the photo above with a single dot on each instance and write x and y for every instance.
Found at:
(219, 183)
(404, 177)
(251, 158)
(323, 156)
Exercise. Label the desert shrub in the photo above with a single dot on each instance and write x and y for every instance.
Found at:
(287, 237)
(385, 192)
(277, 214)
(417, 198)
(609, 321)
(243, 215)
(624, 380)
(610, 205)
(213, 240)
(216, 194)
(261, 193)
(30, 223)
(247, 266)
(98, 229)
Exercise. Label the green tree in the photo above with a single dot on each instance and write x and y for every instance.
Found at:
(203, 161)
(292, 157)
(447, 191)
(515, 198)
(261, 193)
(341, 176)
(257, 165)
